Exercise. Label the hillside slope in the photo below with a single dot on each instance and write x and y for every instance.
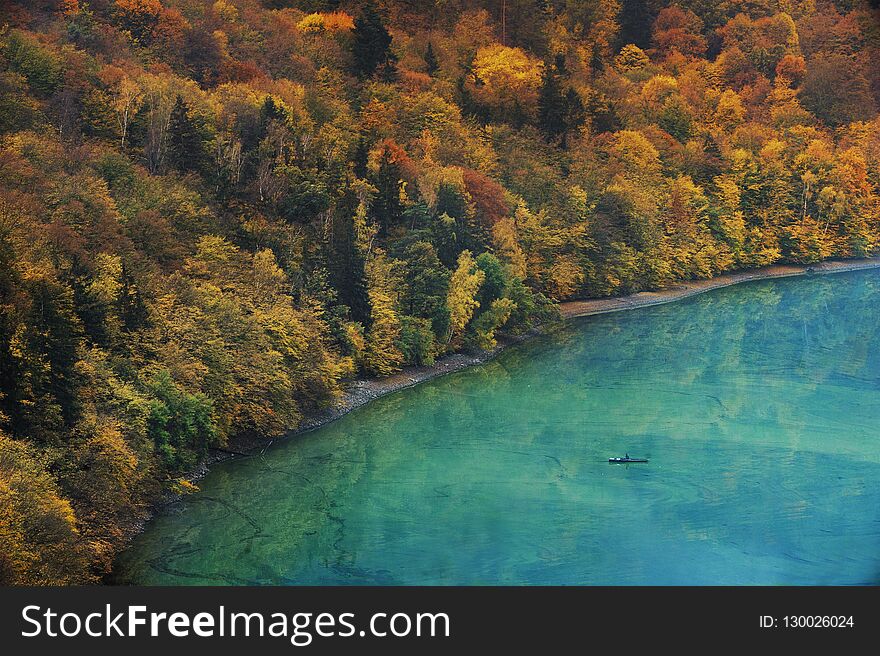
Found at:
(213, 213)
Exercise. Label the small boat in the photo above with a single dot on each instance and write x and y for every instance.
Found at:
(627, 459)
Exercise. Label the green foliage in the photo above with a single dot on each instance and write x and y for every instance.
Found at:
(560, 110)
(17, 110)
(416, 341)
(185, 150)
(428, 285)
(347, 266)
(431, 64)
(494, 279)
(675, 118)
(39, 64)
(387, 208)
(483, 329)
(180, 424)
(371, 43)
(551, 104)
(305, 193)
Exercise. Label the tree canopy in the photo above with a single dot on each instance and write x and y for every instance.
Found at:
(215, 214)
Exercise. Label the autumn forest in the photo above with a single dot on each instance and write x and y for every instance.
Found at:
(215, 213)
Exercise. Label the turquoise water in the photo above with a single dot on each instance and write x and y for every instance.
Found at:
(758, 406)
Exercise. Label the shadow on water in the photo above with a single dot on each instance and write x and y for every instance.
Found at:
(756, 406)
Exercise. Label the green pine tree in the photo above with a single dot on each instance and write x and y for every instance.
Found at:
(431, 63)
(387, 208)
(552, 105)
(347, 263)
(184, 142)
(361, 157)
(371, 44)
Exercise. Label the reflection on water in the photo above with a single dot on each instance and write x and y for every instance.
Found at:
(757, 405)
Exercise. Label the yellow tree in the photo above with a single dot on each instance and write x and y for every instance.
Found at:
(39, 541)
(461, 299)
(126, 97)
(729, 113)
(631, 59)
(382, 355)
(506, 242)
(506, 80)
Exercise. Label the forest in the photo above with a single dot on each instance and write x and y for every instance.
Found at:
(215, 213)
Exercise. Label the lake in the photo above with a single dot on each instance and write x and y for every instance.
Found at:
(758, 406)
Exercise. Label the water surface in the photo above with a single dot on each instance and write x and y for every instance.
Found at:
(757, 405)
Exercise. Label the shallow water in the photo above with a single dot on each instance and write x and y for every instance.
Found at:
(757, 405)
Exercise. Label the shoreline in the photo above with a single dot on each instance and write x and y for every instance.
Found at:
(360, 392)
(588, 307)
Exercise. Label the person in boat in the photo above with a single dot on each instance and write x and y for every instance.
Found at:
(627, 456)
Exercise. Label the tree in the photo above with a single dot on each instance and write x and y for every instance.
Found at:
(53, 337)
(792, 68)
(382, 355)
(506, 81)
(552, 108)
(635, 23)
(416, 341)
(361, 158)
(763, 41)
(494, 279)
(126, 95)
(371, 43)
(431, 63)
(729, 113)
(835, 90)
(462, 297)
(488, 199)
(726, 217)
(101, 478)
(634, 155)
(485, 325)
(631, 59)
(677, 29)
(180, 424)
(38, 64)
(185, 151)
(347, 262)
(131, 306)
(301, 194)
(39, 541)
(575, 112)
(676, 118)
(138, 17)
(155, 119)
(213, 214)
(387, 208)
(505, 240)
(270, 111)
(427, 286)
